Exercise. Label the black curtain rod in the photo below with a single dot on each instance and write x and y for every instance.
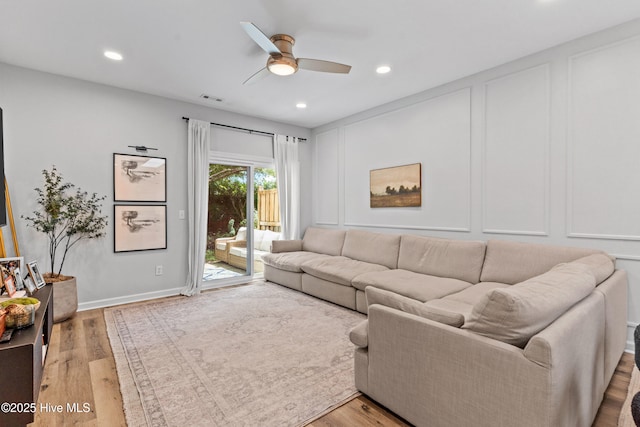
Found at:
(243, 129)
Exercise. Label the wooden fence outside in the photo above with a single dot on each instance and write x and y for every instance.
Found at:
(268, 210)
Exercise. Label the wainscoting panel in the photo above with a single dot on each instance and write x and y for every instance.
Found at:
(604, 142)
(435, 133)
(326, 185)
(515, 161)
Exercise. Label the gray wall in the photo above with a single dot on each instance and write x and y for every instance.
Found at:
(77, 126)
(543, 149)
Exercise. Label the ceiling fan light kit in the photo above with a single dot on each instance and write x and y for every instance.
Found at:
(281, 60)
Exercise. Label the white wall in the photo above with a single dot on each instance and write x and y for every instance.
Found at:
(77, 126)
(544, 149)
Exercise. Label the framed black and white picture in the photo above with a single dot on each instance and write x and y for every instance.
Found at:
(36, 276)
(139, 227)
(139, 178)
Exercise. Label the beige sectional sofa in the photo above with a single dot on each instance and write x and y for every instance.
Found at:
(466, 332)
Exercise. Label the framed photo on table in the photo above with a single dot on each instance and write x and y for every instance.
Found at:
(8, 281)
(139, 227)
(36, 276)
(139, 178)
(13, 265)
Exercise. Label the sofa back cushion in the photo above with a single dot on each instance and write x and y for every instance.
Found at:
(323, 240)
(600, 265)
(456, 259)
(515, 262)
(516, 313)
(375, 248)
(267, 236)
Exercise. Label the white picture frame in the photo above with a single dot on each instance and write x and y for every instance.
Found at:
(36, 276)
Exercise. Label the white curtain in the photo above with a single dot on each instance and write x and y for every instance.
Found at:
(197, 198)
(285, 150)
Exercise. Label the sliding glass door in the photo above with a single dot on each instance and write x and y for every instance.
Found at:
(230, 222)
(243, 220)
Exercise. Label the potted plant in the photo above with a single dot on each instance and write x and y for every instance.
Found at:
(67, 215)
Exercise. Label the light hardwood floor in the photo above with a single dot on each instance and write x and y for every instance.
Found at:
(80, 368)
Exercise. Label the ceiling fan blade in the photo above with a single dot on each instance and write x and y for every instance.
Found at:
(323, 66)
(260, 38)
(257, 76)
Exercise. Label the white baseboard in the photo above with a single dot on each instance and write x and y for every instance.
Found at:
(109, 302)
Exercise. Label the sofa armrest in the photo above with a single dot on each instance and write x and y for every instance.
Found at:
(278, 246)
(358, 335)
(224, 239)
(237, 244)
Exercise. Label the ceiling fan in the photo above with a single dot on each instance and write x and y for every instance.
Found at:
(281, 60)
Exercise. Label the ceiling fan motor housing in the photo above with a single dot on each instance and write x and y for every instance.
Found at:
(285, 43)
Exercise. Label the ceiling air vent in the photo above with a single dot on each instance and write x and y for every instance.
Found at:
(211, 97)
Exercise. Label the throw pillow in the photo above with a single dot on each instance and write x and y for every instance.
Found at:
(516, 313)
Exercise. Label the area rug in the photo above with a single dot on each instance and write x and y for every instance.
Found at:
(254, 355)
(626, 420)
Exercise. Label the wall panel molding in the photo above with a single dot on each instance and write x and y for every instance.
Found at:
(602, 149)
(436, 133)
(326, 159)
(515, 152)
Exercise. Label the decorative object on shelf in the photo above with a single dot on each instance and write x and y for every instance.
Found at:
(139, 227)
(139, 178)
(20, 316)
(14, 265)
(22, 301)
(35, 275)
(66, 215)
(8, 281)
(396, 187)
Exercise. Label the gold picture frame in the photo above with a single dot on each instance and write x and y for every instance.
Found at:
(396, 187)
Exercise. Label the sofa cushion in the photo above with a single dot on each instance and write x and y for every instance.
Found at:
(514, 314)
(242, 252)
(452, 306)
(376, 248)
(408, 305)
(600, 265)
(462, 302)
(339, 269)
(268, 236)
(473, 294)
(514, 262)
(442, 257)
(323, 240)
(421, 287)
(290, 261)
(241, 234)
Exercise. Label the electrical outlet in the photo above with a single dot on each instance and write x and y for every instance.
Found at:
(181, 214)
(158, 270)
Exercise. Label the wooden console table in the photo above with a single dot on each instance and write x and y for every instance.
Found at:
(22, 363)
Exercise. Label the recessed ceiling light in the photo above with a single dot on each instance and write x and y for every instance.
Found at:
(113, 55)
(383, 69)
(301, 105)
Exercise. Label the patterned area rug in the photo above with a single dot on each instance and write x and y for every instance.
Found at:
(626, 420)
(255, 355)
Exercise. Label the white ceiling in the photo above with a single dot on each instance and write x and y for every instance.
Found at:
(183, 48)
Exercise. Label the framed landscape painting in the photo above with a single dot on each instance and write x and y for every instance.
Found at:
(139, 227)
(396, 187)
(139, 178)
